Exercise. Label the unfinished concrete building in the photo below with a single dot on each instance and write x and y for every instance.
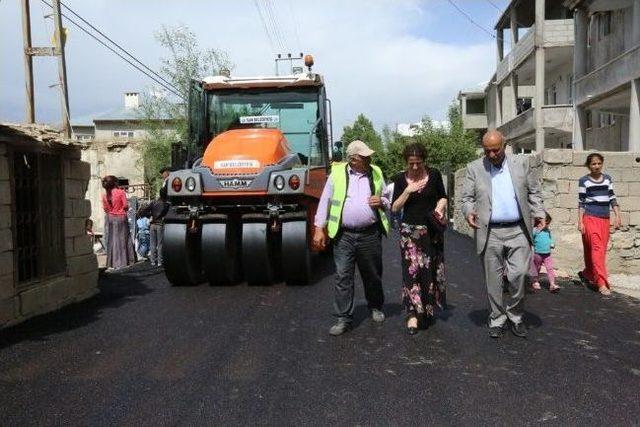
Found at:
(529, 98)
(607, 74)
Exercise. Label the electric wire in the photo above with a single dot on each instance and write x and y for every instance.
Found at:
(295, 26)
(494, 5)
(470, 19)
(152, 77)
(264, 25)
(276, 22)
(118, 46)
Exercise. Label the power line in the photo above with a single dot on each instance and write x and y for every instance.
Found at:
(117, 45)
(274, 24)
(155, 79)
(278, 23)
(494, 5)
(295, 25)
(470, 19)
(264, 24)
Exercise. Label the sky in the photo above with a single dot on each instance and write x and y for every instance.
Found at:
(395, 61)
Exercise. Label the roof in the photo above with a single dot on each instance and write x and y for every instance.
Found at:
(222, 82)
(120, 114)
(18, 132)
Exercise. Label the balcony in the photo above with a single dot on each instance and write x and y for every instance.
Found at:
(474, 121)
(555, 119)
(609, 77)
(557, 33)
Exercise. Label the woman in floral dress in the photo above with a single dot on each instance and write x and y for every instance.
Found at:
(419, 193)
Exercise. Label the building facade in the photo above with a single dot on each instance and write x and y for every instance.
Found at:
(113, 143)
(530, 95)
(607, 74)
(46, 257)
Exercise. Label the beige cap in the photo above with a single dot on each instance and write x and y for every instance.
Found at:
(359, 148)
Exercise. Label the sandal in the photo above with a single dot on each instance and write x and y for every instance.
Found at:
(412, 330)
(553, 288)
(604, 291)
(536, 286)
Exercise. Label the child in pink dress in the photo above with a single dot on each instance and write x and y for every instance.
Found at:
(542, 245)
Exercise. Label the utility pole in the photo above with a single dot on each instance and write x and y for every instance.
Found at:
(62, 69)
(58, 50)
(28, 61)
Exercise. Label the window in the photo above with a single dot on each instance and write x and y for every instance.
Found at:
(552, 95)
(39, 213)
(570, 88)
(589, 119)
(606, 119)
(475, 106)
(294, 112)
(604, 24)
(123, 134)
(523, 104)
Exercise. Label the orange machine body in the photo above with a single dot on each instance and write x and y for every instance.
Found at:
(245, 151)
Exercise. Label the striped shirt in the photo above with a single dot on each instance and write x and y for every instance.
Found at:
(595, 197)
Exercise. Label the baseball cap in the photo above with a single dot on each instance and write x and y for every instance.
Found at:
(359, 148)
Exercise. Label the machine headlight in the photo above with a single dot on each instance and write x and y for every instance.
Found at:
(190, 183)
(294, 182)
(176, 184)
(278, 182)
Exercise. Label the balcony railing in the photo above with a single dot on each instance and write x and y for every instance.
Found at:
(557, 33)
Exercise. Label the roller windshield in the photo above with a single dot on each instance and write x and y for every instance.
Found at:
(293, 112)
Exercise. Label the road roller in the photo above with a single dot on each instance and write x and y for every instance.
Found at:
(243, 208)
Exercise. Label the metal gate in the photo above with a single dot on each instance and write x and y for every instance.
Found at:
(39, 215)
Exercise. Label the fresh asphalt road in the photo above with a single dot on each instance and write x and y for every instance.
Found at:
(145, 353)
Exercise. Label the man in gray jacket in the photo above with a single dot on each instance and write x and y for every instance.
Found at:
(500, 198)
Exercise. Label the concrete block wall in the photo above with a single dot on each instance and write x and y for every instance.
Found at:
(81, 276)
(558, 32)
(559, 174)
(561, 171)
(7, 291)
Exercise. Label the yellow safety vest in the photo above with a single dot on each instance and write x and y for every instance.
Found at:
(340, 181)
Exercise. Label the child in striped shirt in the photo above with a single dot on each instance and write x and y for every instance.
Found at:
(595, 200)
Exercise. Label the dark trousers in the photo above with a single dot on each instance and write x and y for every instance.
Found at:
(365, 250)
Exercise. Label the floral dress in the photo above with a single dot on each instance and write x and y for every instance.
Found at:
(422, 249)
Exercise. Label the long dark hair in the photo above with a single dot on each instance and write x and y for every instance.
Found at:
(109, 182)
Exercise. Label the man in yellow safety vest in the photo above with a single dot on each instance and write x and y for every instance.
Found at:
(352, 210)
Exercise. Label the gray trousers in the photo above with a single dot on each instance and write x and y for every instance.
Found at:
(155, 251)
(508, 252)
(365, 250)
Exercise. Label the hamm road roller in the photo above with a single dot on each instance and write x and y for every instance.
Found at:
(244, 208)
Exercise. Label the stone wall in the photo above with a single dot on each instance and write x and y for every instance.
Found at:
(80, 278)
(560, 171)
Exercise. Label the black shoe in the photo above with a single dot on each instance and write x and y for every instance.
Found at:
(519, 329)
(495, 332)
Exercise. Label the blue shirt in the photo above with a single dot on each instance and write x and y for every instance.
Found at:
(542, 241)
(504, 205)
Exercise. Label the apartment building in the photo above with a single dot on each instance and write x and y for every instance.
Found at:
(529, 98)
(607, 74)
(473, 108)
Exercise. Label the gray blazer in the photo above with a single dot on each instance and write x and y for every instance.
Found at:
(476, 194)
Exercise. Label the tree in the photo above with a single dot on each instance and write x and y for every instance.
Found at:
(449, 146)
(185, 61)
(363, 130)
